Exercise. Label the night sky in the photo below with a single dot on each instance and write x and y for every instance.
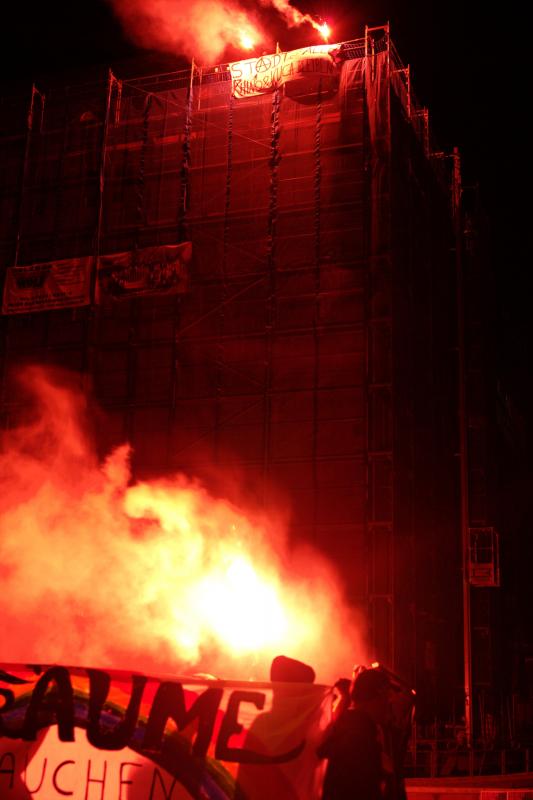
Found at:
(468, 68)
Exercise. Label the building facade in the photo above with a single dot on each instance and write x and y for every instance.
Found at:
(308, 350)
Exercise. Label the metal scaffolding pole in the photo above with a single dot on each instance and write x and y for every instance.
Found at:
(463, 444)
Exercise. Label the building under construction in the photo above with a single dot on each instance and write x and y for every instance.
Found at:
(254, 268)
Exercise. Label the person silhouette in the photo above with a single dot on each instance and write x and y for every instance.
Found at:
(352, 743)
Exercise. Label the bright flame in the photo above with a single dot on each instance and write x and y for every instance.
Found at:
(246, 40)
(325, 31)
(243, 608)
(154, 575)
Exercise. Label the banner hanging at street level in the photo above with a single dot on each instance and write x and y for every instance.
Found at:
(91, 734)
(255, 76)
(147, 271)
(47, 286)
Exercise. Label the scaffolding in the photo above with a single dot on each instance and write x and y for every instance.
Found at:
(319, 314)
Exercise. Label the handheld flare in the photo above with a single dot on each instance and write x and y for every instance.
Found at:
(324, 30)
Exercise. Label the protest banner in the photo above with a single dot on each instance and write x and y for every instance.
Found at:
(91, 734)
(254, 76)
(47, 286)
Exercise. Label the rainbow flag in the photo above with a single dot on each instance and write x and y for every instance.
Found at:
(93, 734)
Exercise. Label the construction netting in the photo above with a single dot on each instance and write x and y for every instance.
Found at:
(211, 250)
(261, 343)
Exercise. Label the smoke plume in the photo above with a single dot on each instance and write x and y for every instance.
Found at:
(202, 29)
(292, 16)
(158, 575)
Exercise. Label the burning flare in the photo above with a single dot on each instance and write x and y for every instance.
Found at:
(155, 574)
(325, 31)
(246, 40)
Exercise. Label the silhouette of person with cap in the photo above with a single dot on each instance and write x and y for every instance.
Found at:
(352, 743)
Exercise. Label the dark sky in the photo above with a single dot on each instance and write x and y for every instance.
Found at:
(465, 67)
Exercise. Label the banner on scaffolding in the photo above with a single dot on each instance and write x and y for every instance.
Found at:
(309, 65)
(47, 286)
(86, 732)
(147, 271)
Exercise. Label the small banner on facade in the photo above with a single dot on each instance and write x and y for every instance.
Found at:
(47, 286)
(148, 271)
(264, 74)
(90, 733)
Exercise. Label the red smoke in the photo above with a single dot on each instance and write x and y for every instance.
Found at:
(155, 575)
(203, 29)
(293, 17)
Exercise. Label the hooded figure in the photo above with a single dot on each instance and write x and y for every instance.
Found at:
(353, 742)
